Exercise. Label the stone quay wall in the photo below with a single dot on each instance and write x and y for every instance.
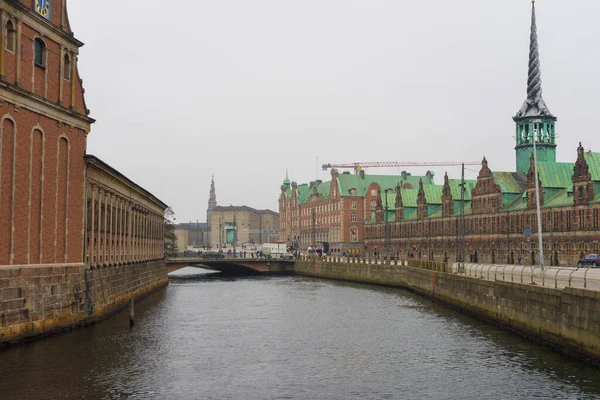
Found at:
(567, 319)
(41, 299)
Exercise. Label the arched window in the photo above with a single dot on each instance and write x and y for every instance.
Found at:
(10, 36)
(67, 67)
(39, 52)
(581, 192)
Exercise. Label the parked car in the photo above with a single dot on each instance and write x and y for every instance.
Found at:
(213, 255)
(592, 260)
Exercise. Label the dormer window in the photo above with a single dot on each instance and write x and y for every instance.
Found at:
(10, 36)
(39, 53)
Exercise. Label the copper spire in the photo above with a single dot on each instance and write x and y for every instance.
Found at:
(534, 105)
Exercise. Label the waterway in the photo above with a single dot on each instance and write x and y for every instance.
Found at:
(290, 338)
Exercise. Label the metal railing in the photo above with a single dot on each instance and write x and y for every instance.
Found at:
(555, 277)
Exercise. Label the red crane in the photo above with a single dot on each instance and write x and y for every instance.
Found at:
(358, 166)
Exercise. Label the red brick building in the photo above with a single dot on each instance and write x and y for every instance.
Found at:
(42, 135)
(332, 214)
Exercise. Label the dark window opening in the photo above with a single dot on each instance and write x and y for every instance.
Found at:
(39, 53)
(67, 68)
(10, 36)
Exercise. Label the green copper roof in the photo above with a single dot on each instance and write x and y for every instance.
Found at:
(561, 199)
(410, 213)
(435, 213)
(519, 203)
(433, 194)
(510, 182)
(467, 207)
(455, 188)
(555, 175)
(361, 183)
(409, 197)
(593, 160)
(302, 192)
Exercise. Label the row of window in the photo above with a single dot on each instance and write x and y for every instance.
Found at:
(39, 50)
(555, 221)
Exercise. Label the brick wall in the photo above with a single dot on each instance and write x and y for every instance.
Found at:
(567, 319)
(41, 299)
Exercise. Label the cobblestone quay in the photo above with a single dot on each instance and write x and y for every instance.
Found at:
(568, 319)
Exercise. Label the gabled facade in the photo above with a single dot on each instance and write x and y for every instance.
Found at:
(336, 212)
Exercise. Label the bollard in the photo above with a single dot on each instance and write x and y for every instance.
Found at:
(131, 315)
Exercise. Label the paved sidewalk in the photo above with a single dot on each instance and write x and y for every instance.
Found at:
(555, 277)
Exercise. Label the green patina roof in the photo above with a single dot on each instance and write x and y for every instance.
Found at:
(391, 199)
(302, 192)
(433, 194)
(555, 175)
(362, 182)
(561, 199)
(518, 204)
(593, 160)
(409, 197)
(436, 213)
(410, 213)
(455, 188)
(510, 182)
(468, 210)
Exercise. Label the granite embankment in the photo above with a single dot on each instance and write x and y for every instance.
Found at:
(41, 299)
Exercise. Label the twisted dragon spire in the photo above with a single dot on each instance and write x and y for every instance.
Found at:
(534, 80)
(534, 105)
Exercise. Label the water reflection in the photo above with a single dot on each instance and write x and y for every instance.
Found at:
(255, 338)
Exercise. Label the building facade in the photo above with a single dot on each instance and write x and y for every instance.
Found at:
(124, 222)
(333, 214)
(497, 220)
(492, 220)
(43, 133)
(192, 236)
(242, 226)
(57, 205)
(78, 239)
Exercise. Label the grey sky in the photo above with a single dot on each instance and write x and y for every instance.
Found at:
(248, 88)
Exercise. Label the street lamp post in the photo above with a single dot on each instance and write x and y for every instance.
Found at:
(537, 201)
(387, 228)
(234, 233)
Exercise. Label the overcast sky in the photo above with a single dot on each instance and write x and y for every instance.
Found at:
(249, 88)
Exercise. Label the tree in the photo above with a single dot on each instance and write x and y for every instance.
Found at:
(170, 238)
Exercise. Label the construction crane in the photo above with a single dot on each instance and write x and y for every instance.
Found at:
(358, 166)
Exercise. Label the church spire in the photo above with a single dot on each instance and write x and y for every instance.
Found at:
(534, 105)
(212, 199)
(534, 117)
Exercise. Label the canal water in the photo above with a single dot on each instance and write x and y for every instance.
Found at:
(290, 338)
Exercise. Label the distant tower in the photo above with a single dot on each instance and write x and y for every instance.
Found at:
(534, 116)
(212, 200)
(286, 181)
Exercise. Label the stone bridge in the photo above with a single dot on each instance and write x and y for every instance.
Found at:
(233, 266)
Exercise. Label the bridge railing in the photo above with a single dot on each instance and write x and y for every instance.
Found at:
(424, 264)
